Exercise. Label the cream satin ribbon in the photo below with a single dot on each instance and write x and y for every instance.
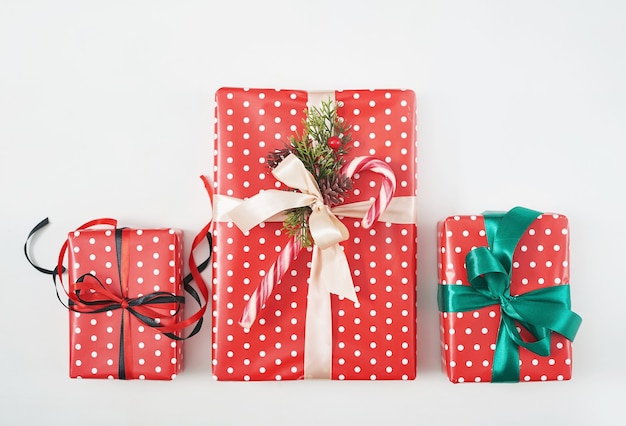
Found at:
(329, 266)
(401, 210)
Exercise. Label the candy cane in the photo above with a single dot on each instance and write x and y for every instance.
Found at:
(387, 188)
(273, 277)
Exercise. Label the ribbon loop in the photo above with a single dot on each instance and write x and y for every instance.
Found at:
(325, 228)
(292, 173)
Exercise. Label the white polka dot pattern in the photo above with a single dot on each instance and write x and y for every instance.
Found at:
(541, 259)
(371, 341)
(155, 259)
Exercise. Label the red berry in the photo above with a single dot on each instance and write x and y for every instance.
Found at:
(334, 142)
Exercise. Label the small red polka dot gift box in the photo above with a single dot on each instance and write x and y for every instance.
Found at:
(504, 297)
(315, 235)
(125, 299)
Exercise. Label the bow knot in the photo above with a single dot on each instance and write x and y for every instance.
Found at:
(90, 295)
(318, 206)
(505, 301)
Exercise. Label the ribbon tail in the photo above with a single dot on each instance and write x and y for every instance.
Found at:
(329, 274)
(506, 367)
(318, 339)
(541, 346)
(549, 308)
(329, 268)
(264, 205)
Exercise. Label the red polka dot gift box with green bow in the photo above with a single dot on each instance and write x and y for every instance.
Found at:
(315, 235)
(504, 297)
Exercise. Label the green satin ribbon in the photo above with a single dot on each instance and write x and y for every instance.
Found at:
(489, 273)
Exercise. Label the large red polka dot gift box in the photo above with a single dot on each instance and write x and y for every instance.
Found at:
(504, 297)
(125, 295)
(314, 263)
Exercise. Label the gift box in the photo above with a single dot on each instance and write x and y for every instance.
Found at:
(504, 297)
(302, 329)
(125, 292)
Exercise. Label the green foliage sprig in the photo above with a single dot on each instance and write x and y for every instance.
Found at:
(324, 141)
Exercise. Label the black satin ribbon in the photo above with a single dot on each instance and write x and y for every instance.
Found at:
(123, 281)
(37, 228)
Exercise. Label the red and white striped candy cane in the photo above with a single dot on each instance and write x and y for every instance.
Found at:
(387, 188)
(273, 276)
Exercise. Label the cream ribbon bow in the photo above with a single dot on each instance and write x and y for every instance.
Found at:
(329, 265)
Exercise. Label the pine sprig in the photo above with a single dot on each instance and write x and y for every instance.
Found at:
(296, 224)
(324, 141)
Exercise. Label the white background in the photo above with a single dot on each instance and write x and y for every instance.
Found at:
(106, 109)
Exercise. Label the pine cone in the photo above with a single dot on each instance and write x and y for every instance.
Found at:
(275, 157)
(333, 188)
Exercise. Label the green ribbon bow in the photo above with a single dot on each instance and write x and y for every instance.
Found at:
(489, 273)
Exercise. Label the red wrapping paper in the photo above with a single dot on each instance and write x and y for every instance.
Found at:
(541, 259)
(374, 339)
(155, 264)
